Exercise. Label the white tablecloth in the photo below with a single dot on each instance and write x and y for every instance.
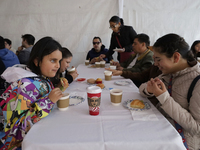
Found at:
(115, 128)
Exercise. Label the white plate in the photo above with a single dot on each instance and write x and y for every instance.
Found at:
(126, 104)
(118, 50)
(75, 100)
(122, 82)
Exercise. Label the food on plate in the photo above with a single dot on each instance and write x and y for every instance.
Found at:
(81, 79)
(101, 85)
(93, 66)
(64, 84)
(137, 104)
(98, 80)
(91, 81)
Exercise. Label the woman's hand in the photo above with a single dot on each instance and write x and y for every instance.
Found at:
(55, 95)
(115, 72)
(156, 86)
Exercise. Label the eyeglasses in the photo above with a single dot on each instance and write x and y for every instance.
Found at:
(96, 43)
(113, 26)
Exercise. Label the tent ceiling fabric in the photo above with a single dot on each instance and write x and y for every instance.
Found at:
(75, 23)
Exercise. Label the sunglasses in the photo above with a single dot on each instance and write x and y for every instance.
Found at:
(96, 43)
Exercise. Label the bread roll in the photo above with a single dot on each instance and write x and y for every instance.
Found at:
(64, 84)
(137, 104)
(91, 81)
(101, 85)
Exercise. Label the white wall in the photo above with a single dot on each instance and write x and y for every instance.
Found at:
(75, 22)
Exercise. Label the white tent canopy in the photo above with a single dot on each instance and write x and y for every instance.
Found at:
(74, 23)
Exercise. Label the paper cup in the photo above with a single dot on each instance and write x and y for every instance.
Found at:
(87, 62)
(102, 64)
(94, 99)
(113, 67)
(116, 96)
(198, 58)
(108, 75)
(97, 64)
(63, 102)
(71, 69)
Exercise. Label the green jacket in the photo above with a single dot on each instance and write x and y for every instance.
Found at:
(143, 62)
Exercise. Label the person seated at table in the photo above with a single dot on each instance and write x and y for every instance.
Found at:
(64, 64)
(8, 45)
(179, 68)
(8, 59)
(23, 52)
(31, 96)
(96, 51)
(143, 57)
(196, 48)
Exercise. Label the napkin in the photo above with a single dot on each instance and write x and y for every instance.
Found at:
(145, 115)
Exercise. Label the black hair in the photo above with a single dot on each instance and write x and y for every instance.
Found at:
(66, 53)
(43, 47)
(96, 37)
(193, 46)
(171, 43)
(2, 43)
(116, 19)
(8, 41)
(29, 38)
(143, 38)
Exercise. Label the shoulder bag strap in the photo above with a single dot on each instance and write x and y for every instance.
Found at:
(192, 88)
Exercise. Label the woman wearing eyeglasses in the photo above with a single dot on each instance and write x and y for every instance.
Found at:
(121, 38)
(96, 51)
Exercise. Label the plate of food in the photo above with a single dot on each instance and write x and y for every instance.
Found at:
(75, 100)
(80, 79)
(136, 104)
(122, 82)
(118, 49)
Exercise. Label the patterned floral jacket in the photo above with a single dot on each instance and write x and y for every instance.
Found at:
(24, 103)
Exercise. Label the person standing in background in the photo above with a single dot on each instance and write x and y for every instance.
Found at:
(24, 50)
(121, 38)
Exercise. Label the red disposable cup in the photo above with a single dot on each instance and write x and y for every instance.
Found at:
(94, 99)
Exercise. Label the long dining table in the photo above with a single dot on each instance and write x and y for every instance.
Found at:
(115, 128)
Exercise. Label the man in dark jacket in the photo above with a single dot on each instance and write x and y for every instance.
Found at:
(96, 51)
